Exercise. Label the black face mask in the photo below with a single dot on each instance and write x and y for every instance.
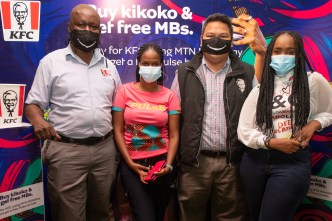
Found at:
(84, 40)
(216, 46)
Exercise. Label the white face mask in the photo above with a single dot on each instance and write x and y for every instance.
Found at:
(149, 73)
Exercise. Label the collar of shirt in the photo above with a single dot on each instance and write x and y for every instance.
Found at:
(97, 56)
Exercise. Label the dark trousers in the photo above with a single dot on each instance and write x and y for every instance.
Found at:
(148, 201)
(275, 183)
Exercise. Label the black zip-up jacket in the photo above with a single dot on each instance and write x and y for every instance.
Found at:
(192, 107)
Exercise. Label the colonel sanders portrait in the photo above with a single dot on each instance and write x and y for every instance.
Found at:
(20, 11)
(10, 100)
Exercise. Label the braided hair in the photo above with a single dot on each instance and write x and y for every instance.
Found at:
(300, 95)
(159, 51)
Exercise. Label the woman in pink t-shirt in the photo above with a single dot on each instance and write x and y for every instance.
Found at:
(146, 119)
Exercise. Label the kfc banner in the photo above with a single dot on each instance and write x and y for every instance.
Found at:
(20, 20)
(11, 104)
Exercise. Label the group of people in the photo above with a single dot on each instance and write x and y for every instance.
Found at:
(238, 133)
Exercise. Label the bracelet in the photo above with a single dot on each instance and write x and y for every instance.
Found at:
(267, 142)
(169, 166)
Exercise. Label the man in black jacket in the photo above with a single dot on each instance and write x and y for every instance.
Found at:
(213, 87)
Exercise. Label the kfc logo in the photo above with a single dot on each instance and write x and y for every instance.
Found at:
(20, 11)
(11, 104)
(241, 84)
(105, 72)
(10, 101)
(20, 20)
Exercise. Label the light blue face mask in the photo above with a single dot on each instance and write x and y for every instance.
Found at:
(282, 64)
(149, 73)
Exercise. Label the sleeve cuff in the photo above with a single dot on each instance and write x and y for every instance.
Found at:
(172, 112)
(117, 109)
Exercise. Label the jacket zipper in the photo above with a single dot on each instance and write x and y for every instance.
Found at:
(228, 147)
(200, 140)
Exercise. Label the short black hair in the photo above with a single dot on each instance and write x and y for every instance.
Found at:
(220, 18)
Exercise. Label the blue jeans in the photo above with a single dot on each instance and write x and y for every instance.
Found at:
(275, 183)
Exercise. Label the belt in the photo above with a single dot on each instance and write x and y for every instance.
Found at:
(213, 154)
(85, 141)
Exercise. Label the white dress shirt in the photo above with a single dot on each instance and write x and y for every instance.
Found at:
(79, 95)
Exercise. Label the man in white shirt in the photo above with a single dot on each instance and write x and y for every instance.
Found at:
(78, 84)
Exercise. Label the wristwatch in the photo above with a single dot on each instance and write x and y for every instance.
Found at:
(170, 167)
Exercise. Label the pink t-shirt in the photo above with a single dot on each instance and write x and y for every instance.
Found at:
(146, 119)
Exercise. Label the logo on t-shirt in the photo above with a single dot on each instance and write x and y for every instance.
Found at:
(105, 72)
(20, 20)
(147, 106)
